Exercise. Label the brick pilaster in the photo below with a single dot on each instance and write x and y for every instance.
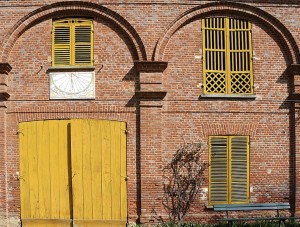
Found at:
(294, 70)
(4, 70)
(149, 96)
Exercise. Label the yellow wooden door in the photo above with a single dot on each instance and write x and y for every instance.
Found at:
(99, 173)
(73, 173)
(44, 174)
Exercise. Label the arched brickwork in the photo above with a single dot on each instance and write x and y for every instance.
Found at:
(269, 23)
(228, 129)
(76, 8)
(109, 112)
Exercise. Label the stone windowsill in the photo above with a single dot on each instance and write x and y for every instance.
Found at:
(70, 68)
(229, 96)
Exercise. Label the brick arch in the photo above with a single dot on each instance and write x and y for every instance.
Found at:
(108, 112)
(77, 8)
(269, 23)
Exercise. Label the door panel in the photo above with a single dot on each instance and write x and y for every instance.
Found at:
(44, 157)
(99, 176)
(100, 223)
(46, 223)
(73, 171)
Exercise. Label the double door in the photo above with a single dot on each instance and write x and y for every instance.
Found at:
(73, 173)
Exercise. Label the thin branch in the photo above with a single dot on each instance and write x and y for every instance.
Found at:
(183, 178)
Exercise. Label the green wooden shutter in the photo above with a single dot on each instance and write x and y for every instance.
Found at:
(61, 43)
(239, 169)
(83, 44)
(218, 170)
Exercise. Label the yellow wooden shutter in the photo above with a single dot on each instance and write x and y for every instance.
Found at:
(218, 170)
(229, 169)
(61, 44)
(83, 43)
(72, 42)
(227, 56)
(214, 55)
(239, 169)
(240, 55)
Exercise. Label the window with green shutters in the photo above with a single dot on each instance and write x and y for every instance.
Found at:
(72, 42)
(228, 169)
(227, 56)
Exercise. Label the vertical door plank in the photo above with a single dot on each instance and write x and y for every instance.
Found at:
(96, 168)
(43, 152)
(64, 162)
(116, 170)
(106, 173)
(54, 168)
(123, 166)
(76, 159)
(24, 170)
(86, 170)
(33, 171)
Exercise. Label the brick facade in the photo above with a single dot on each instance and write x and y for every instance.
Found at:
(148, 67)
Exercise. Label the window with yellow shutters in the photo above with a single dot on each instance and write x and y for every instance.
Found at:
(72, 42)
(229, 169)
(227, 56)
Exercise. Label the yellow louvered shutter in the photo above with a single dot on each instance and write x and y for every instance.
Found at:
(229, 169)
(239, 175)
(218, 170)
(61, 54)
(227, 56)
(72, 42)
(83, 44)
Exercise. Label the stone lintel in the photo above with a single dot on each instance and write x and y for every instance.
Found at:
(150, 95)
(150, 66)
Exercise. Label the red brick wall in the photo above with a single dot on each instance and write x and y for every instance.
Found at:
(170, 32)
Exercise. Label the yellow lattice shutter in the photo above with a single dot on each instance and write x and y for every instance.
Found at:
(61, 43)
(227, 56)
(218, 170)
(72, 42)
(83, 43)
(239, 169)
(214, 55)
(240, 55)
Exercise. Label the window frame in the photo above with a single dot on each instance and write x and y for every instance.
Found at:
(72, 24)
(229, 169)
(225, 60)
